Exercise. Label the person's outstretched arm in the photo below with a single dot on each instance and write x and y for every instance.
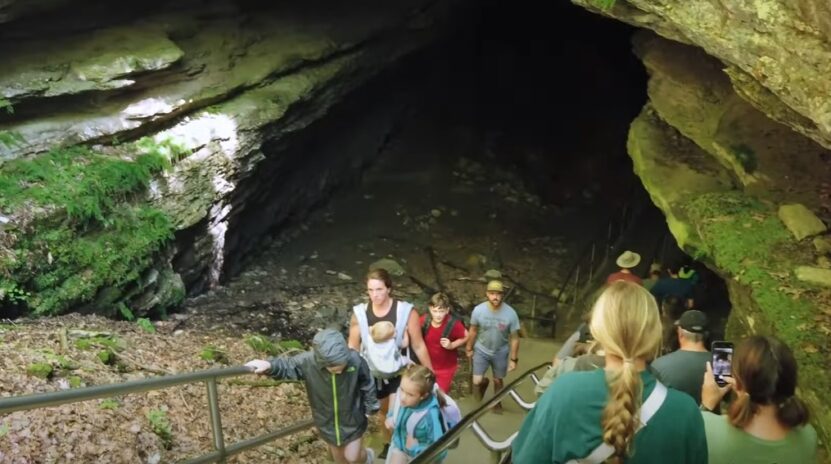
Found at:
(281, 367)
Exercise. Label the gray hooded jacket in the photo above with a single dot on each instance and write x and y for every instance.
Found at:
(340, 402)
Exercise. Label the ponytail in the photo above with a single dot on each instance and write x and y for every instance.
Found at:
(792, 412)
(620, 416)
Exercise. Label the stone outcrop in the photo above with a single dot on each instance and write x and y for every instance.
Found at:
(722, 170)
(245, 102)
(778, 50)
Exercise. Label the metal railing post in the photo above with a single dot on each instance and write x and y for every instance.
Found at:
(216, 421)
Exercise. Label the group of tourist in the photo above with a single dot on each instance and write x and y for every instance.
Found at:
(374, 371)
(611, 396)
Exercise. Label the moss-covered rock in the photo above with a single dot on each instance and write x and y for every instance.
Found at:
(720, 216)
(42, 370)
(801, 221)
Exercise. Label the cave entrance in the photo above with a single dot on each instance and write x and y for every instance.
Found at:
(509, 155)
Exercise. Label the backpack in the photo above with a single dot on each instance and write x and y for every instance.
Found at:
(450, 415)
(384, 363)
(451, 322)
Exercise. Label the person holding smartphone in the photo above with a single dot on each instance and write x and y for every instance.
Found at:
(766, 422)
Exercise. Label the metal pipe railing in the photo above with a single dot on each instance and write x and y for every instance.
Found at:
(470, 420)
(210, 376)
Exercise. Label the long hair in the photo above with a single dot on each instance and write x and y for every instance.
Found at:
(626, 323)
(766, 373)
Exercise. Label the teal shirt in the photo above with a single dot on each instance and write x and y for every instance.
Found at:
(729, 445)
(565, 425)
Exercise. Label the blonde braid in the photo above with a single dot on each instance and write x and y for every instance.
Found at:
(620, 416)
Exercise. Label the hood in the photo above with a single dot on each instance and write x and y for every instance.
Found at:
(330, 348)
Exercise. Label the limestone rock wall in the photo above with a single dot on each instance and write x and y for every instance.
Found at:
(226, 118)
(725, 175)
(736, 132)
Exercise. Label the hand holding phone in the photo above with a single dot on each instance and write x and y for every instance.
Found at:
(722, 361)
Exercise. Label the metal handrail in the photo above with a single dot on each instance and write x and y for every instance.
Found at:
(210, 376)
(471, 421)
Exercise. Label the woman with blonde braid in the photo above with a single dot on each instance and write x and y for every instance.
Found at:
(767, 422)
(596, 416)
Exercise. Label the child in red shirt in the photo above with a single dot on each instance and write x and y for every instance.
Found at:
(443, 334)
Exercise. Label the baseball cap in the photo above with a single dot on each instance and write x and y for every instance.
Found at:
(495, 286)
(693, 321)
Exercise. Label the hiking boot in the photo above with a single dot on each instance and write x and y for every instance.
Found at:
(384, 451)
(497, 408)
(482, 388)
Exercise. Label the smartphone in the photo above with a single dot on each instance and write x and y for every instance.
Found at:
(722, 361)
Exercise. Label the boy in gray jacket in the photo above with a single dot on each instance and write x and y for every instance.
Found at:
(340, 388)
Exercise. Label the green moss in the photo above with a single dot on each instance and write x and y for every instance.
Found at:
(109, 403)
(74, 381)
(107, 357)
(745, 238)
(90, 230)
(603, 4)
(41, 370)
(112, 343)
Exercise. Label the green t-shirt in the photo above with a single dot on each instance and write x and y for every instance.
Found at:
(565, 425)
(729, 445)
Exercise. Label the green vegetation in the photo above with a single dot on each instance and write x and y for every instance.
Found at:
(603, 4)
(146, 325)
(161, 426)
(89, 230)
(41, 369)
(213, 354)
(264, 345)
(109, 403)
(11, 139)
(261, 344)
(745, 238)
(6, 105)
(289, 345)
(74, 381)
(113, 343)
(107, 357)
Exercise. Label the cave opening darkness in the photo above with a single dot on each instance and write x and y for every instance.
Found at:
(544, 90)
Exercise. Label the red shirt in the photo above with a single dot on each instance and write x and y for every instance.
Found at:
(620, 275)
(440, 357)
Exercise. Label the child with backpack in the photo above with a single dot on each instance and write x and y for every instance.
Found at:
(341, 392)
(443, 334)
(420, 416)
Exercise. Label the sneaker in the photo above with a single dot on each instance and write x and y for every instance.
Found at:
(384, 452)
(370, 456)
